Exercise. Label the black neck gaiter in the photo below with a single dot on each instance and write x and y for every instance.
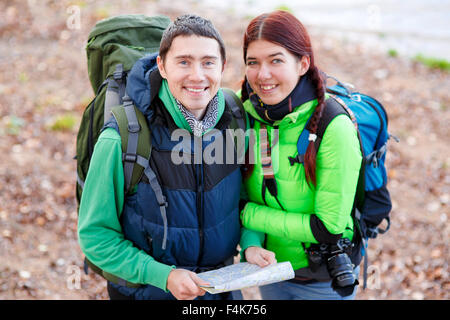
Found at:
(304, 91)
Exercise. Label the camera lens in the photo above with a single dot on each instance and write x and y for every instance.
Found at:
(341, 270)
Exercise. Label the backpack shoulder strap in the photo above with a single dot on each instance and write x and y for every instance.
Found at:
(332, 110)
(136, 150)
(240, 119)
(360, 193)
(114, 91)
(237, 109)
(136, 141)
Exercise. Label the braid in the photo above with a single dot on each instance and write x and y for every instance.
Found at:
(311, 152)
(247, 168)
(244, 92)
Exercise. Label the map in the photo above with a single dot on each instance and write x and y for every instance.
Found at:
(243, 275)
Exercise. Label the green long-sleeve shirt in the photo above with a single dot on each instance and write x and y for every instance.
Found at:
(99, 231)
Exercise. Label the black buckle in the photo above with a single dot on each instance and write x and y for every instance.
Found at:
(134, 127)
(375, 161)
(127, 101)
(129, 157)
(118, 74)
(374, 157)
(164, 204)
(371, 232)
(296, 159)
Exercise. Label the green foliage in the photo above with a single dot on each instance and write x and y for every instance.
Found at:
(284, 8)
(433, 63)
(79, 3)
(392, 53)
(12, 125)
(23, 77)
(63, 123)
(103, 12)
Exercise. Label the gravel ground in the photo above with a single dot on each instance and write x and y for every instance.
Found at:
(43, 79)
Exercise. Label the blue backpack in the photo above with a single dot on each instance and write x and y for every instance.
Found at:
(372, 200)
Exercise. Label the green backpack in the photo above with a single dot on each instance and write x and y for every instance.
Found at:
(114, 45)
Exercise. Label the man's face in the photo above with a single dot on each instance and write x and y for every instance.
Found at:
(193, 69)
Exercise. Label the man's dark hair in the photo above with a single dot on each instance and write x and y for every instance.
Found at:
(188, 25)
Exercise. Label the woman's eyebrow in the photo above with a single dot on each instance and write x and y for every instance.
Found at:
(270, 55)
(276, 54)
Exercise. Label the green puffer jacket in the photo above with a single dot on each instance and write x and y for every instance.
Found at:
(337, 168)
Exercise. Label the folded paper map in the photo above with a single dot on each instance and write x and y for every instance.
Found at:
(243, 275)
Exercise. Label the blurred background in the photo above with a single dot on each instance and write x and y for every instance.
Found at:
(396, 51)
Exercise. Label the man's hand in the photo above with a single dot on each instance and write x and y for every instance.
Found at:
(260, 256)
(184, 284)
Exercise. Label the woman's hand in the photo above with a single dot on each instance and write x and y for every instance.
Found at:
(260, 256)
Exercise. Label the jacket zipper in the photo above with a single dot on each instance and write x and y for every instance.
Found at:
(199, 195)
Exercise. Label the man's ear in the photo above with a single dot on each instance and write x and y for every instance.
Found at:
(223, 65)
(304, 65)
(160, 64)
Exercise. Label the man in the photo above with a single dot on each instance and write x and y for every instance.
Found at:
(128, 236)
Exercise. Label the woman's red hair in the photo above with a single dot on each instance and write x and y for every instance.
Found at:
(284, 29)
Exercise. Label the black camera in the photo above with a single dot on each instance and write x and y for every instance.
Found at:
(338, 264)
(340, 268)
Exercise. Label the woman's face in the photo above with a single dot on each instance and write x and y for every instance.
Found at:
(272, 71)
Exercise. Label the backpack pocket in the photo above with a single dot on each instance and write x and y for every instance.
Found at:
(376, 208)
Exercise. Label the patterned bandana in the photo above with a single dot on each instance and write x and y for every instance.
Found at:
(199, 127)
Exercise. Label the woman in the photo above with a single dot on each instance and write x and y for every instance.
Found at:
(294, 206)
